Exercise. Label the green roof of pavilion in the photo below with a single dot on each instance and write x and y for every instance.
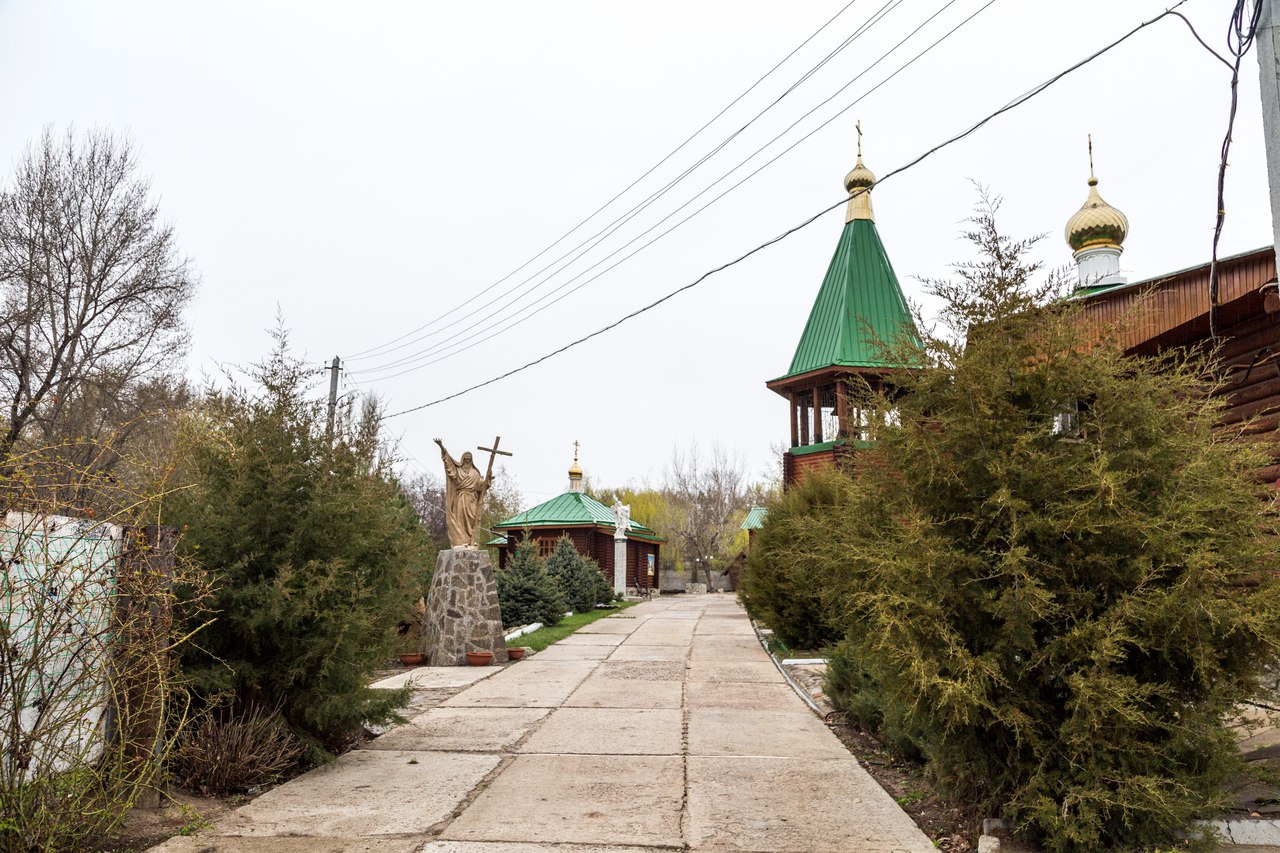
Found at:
(755, 518)
(860, 309)
(573, 509)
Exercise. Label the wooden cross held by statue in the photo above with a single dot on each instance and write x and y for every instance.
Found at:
(493, 452)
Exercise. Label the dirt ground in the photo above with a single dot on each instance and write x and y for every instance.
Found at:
(183, 813)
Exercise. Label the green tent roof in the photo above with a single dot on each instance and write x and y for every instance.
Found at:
(571, 509)
(859, 308)
(755, 518)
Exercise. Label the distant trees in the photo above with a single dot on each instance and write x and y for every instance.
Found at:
(699, 506)
(709, 496)
(93, 288)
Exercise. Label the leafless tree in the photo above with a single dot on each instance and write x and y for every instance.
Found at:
(709, 496)
(425, 493)
(92, 283)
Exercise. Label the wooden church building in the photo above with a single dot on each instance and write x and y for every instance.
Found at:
(845, 351)
(590, 525)
(860, 311)
(1181, 310)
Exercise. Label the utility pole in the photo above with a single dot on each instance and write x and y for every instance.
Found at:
(333, 392)
(1268, 40)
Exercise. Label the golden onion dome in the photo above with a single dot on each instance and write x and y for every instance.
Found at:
(575, 470)
(1096, 223)
(860, 177)
(858, 184)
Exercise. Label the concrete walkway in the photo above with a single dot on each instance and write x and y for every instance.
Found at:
(664, 727)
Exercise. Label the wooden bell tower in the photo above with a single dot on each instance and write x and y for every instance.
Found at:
(845, 351)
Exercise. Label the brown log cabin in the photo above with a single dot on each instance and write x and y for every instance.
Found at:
(1172, 311)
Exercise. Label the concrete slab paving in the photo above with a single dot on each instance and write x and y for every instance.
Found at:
(578, 652)
(598, 692)
(725, 625)
(584, 799)
(610, 626)
(721, 647)
(640, 670)
(210, 844)
(734, 670)
(628, 651)
(784, 805)
(524, 686)
(363, 794)
(452, 729)
(677, 733)
(747, 695)
(429, 677)
(665, 628)
(608, 731)
(796, 733)
(580, 639)
(680, 641)
(517, 847)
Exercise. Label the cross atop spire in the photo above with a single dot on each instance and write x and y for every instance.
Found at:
(575, 472)
(1092, 180)
(858, 126)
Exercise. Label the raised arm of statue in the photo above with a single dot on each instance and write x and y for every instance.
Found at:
(450, 464)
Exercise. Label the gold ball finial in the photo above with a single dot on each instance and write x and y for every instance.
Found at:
(575, 470)
(858, 184)
(1096, 223)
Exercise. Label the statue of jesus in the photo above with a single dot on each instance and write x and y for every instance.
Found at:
(465, 488)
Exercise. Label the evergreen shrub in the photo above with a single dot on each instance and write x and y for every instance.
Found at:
(580, 580)
(604, 594)
(783, 580)
(1053, 571)
(527, 593)
(313, 552)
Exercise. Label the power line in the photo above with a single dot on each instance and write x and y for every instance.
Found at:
(417, 360)
(1239, 39)
(591, 242)
(649, 171)
(1016, 102)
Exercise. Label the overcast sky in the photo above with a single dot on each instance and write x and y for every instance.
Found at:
(364, 168)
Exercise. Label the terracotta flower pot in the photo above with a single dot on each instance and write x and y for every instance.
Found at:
(412, 659)
(516, 653)
(479, 658)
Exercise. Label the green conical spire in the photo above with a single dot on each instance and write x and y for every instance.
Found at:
(859, 309)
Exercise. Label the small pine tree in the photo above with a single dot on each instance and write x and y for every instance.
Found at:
(600, 584)
(526, 592)
(313, 551)
(580, 579)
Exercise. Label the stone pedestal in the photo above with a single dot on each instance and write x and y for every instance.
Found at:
(620, 565)
(462, 610)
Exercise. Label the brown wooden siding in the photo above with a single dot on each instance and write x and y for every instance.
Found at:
(1173, 312)
(796, 467)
